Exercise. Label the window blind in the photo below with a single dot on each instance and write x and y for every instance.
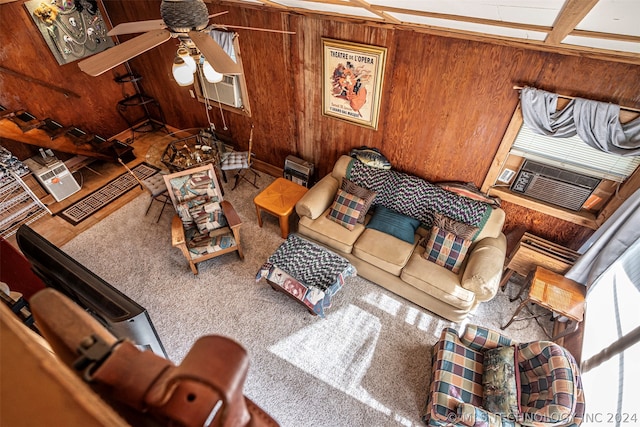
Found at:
(573, 154)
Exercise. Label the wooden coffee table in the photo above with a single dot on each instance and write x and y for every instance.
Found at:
(279, 199)
(556, 293)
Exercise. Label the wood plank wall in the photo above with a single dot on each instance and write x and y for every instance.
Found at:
(446, 102)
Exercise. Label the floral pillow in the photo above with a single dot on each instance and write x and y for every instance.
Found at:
(346, 209)
(501, 382)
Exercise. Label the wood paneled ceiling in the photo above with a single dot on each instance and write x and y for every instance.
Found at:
(606, 29)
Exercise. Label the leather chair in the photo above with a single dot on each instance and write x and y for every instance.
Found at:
(205, 226)
(549, 386)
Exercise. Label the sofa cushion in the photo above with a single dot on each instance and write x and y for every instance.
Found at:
(383, 250)
(437, 281)
(500, 382)
(330, 233)
(446, 249)
(346, 209)
(366, 195)
(394, 223)
(458, 228)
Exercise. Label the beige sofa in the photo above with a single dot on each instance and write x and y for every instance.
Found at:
(399, 266)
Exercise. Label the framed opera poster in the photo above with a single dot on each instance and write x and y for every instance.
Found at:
(352, 77)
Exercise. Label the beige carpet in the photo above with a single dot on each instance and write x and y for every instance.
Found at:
(366, 364)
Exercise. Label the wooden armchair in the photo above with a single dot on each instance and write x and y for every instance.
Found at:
(205, 226)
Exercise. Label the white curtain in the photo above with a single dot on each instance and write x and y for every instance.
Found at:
(609, 267)
(596, 123)
(608, 243)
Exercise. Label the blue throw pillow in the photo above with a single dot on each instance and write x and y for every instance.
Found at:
(394, 223)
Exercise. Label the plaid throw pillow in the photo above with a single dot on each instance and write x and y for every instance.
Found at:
(346, 209)
(366, 195)
(446, 249)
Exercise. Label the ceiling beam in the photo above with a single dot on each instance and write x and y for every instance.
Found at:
(381, 14)
(572, 13)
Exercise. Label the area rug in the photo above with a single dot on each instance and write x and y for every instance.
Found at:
(87, 206)
(367, 363)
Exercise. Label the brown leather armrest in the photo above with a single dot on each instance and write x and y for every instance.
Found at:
(177, 231)
(230, 213)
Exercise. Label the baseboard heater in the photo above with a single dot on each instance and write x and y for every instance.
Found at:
(553, 185)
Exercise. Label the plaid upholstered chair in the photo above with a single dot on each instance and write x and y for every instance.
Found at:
(466, 383)
(205, 226)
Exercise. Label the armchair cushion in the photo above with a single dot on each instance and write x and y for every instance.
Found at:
(208, 217)
(500, 382)
(207, 243)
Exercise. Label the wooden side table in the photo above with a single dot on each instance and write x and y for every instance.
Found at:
(279, 199)
(556, 293)
(531, 251)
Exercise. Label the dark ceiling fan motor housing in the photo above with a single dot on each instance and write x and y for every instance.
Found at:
(182, 16)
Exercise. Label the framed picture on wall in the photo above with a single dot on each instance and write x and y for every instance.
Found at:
(352, 79)
(72, 29)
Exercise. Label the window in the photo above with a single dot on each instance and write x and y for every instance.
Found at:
(611, 378)
(564, 177)
(231, 93)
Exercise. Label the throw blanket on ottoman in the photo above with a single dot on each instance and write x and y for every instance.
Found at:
(415, 197)
(307, 271)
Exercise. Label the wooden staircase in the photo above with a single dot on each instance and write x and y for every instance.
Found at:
(20, 126)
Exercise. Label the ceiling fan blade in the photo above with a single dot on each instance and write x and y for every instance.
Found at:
(110, 58)
(217, 57)
(136, 27)
(252, 28)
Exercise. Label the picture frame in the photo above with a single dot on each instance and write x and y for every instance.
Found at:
(72, 30)
(352, 78)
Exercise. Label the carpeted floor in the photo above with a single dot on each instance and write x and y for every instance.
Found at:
(366, 364)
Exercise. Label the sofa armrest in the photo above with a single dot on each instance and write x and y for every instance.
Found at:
(474, 416)
(484, 268)
(318, 198)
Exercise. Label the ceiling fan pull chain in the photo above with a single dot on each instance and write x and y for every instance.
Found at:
(224, 123)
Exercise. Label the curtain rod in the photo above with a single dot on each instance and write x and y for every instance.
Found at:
(635, 110)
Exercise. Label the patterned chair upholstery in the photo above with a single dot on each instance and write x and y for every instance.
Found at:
(205, 226)
(551, 391)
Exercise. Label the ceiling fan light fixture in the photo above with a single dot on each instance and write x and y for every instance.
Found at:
(181, 72)
(210, 73)
(188, 59)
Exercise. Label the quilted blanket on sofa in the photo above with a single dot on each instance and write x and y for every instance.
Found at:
(416, 197)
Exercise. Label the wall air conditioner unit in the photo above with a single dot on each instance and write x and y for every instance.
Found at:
(226, 92)
(553, 185)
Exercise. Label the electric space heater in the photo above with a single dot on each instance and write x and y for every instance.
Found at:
(55, 178)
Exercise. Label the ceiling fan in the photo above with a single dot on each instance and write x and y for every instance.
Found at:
(185, 20)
